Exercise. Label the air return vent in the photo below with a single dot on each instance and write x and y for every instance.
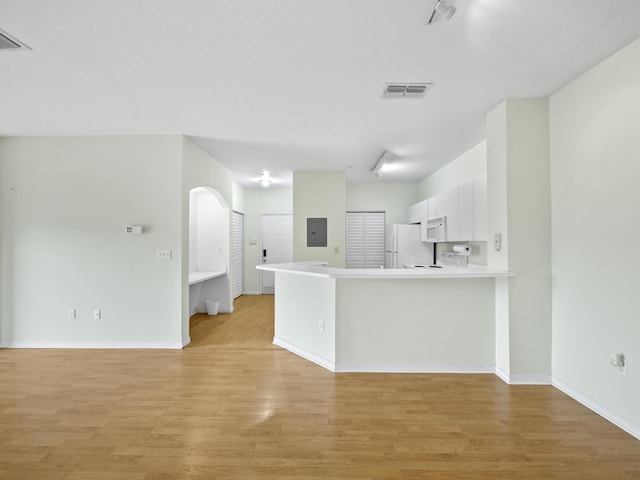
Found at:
(406, 89)
(9, 43)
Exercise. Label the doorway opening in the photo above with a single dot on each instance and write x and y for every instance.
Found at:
(209, 278)
(277, 246)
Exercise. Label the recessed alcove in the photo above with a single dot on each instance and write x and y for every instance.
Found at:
(208, 250)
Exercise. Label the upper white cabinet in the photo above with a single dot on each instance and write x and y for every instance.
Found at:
(466, 220)
(446, 204)
(417, 213)
(465, 207)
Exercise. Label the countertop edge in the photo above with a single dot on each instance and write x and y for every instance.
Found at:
(319, 269)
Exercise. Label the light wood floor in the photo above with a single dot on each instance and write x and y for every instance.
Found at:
(227, 409)
(249, 326)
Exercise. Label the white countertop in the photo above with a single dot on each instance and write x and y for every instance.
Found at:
(319, 269)
(197, 277)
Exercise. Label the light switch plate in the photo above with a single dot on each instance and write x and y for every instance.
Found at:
(497, 241)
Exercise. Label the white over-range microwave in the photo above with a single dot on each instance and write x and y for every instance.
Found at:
(435, 230)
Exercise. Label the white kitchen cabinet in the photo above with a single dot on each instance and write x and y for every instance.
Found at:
(446, 204)
(480, 208)
(465, 207)
(414, 213)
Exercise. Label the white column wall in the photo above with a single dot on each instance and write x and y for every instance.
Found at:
(319, 195)
(519, 210)
(199, 169)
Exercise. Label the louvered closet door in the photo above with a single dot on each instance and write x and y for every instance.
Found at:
(355, 241)
(365, 237)
(237, 240)
(374, 239)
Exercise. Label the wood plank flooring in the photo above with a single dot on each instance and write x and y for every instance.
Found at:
(224, 409)
(249, 326)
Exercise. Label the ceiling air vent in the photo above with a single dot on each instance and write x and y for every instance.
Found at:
(9, 43)
(406, 89)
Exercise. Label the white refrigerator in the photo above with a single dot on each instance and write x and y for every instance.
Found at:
(404, 247)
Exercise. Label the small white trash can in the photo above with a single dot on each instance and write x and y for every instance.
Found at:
(212, 307)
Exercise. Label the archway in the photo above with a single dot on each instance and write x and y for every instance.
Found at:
(209, 250)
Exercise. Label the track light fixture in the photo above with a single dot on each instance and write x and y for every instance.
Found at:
(442, 9)
(383, 163)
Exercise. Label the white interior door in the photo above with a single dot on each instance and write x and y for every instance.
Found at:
(277, 245)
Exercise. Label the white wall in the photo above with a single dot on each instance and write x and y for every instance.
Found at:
(319, 195)
(258, 202)
(595, 179)
(237, 193)
(392, 198)
(208, 233)
(63, 243)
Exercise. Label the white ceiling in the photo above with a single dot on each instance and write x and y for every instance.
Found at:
(289, 85)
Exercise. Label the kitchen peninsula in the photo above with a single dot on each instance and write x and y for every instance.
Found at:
(387, 320)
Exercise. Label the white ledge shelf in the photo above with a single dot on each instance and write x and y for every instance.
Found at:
(198, 277)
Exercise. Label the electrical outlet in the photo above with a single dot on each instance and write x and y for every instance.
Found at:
(321, 325)
(72, 314)
(97, 314)
(619, 361)
(164, 255)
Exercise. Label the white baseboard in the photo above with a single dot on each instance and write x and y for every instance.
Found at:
(412, 368)
(522, 379)
(94, 345)
(312, 357)
(380, 368)
(619, 421)
(186, 342)
(504, 376)
(252, 293)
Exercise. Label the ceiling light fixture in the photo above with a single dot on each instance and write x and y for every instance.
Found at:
(383, 163)
(265, 180)
(442, 9)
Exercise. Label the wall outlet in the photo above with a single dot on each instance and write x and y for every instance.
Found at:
(97, 314)
(321, 326)
(72, 314)
(619, 361)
